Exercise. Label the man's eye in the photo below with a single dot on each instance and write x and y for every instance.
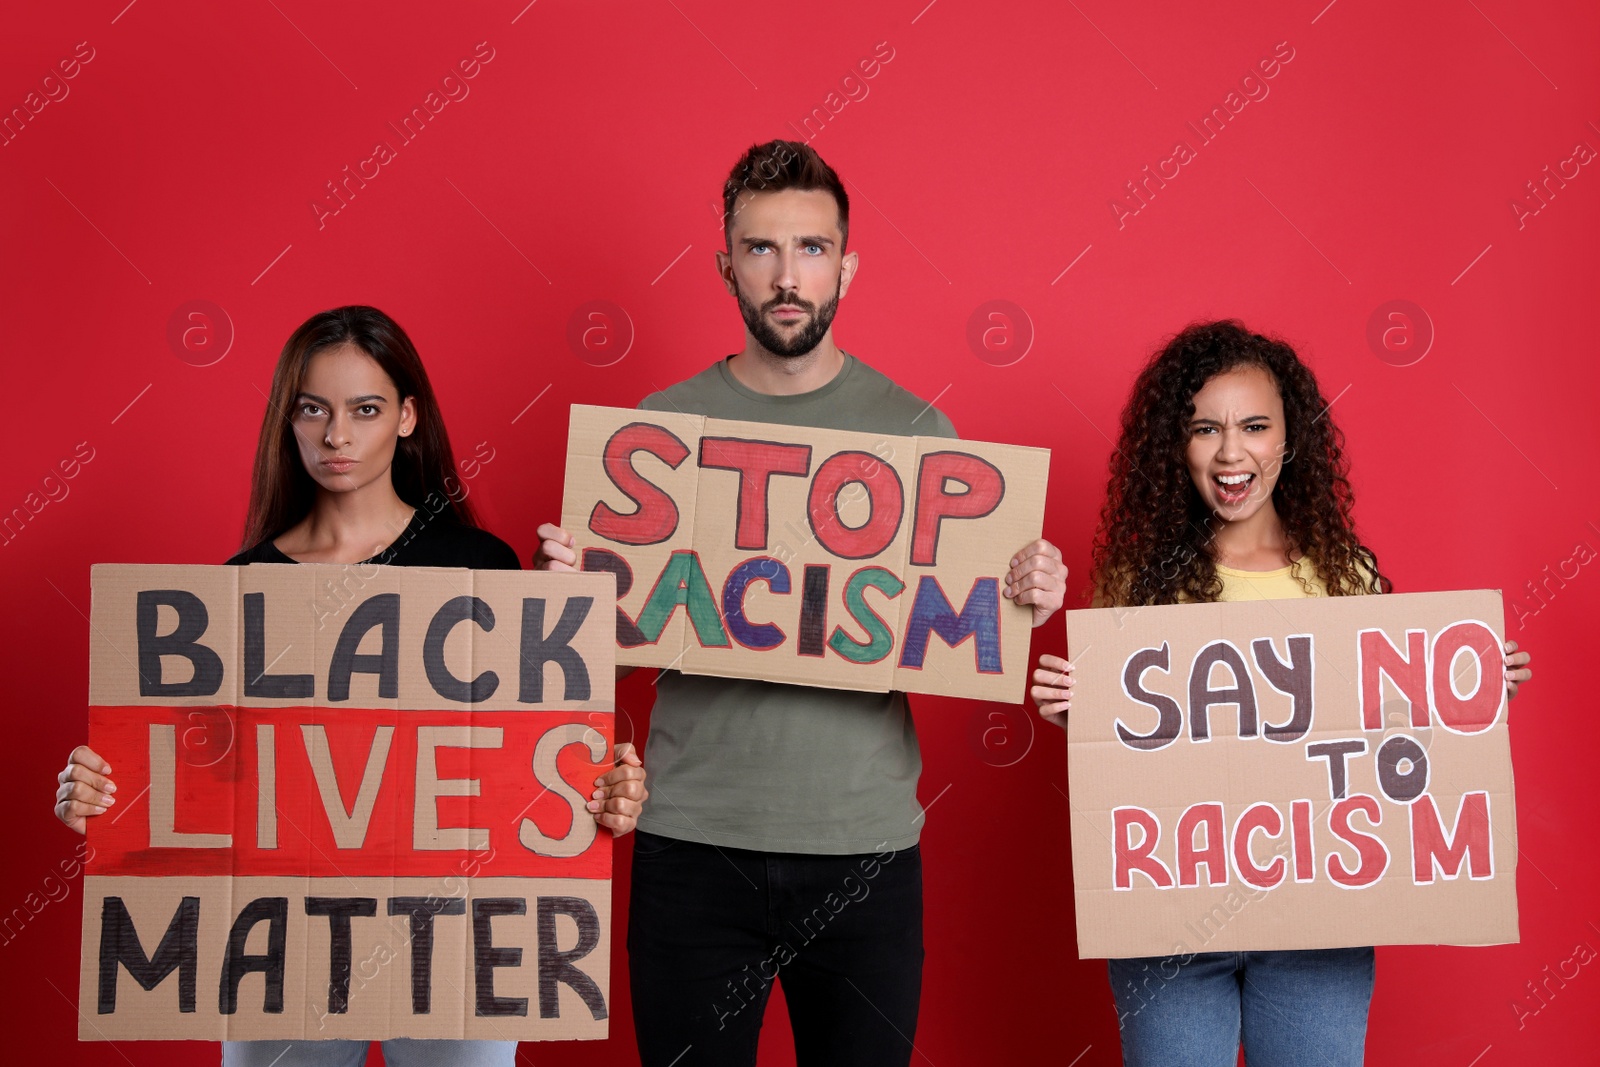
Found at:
(756, 249)
(814, 249)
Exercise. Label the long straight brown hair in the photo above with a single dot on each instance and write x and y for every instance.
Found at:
(423, 472)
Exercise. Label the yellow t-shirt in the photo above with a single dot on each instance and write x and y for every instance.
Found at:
(1283, 583)
(1280, 584)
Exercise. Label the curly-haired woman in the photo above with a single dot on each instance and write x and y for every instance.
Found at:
(1230, 483)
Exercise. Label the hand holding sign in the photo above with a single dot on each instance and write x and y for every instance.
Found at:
(1052, 688)
(1517, 669)
(85, 790)
(620, 793)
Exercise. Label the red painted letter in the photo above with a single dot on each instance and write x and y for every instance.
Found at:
(1478, 710)
(656, 517)
(1214, 854)
(1305, 856)
(756, 462)
(1264, 817)
(885, 498)
(985, 486)
(1432, 846)
(1127, 857)
(1373, 852)
(1375, 657)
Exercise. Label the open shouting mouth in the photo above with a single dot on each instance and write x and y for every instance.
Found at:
(1233, 488)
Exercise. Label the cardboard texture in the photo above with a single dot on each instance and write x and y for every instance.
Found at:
(814, 557)
(1291, 774)
(351, 804)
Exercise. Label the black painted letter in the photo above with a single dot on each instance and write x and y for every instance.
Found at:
(238, 963)
(444, 683)
(183, 641)
(421, 911)
(339, 910)
(381, 610)
(537, 649)
(1171, 716)
(556, 965)
(119, 944)
(486, 957)
(257, 682)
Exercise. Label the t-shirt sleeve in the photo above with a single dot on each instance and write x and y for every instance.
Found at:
(942, 426)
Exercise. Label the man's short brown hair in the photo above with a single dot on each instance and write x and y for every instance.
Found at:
(779, 165)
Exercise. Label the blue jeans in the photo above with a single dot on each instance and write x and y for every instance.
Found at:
(397, 1052)
(711, 929)
(1305, 1008)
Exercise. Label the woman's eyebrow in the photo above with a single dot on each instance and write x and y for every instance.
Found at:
(365, 398)
(1203, 421)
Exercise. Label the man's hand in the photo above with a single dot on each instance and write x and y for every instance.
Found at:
(556, 549)
(84, 788)
(620, 794)
(1517, 669)
(558, 552)
(1037, 578)
(1052, 689)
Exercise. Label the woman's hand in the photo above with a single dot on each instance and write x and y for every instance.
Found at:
(620, 794)
(1052, 689)
(1517, 669)
(85, 790)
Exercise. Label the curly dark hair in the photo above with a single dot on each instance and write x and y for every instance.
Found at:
(1154, 544)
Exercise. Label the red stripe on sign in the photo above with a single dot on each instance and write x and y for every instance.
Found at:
(325, 792)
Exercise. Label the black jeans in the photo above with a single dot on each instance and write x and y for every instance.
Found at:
(710, 929)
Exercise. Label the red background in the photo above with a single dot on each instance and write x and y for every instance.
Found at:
(584, 166)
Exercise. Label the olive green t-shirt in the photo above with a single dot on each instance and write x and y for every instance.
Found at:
(740, 763)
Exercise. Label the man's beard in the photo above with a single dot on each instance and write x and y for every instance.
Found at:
(768, 337)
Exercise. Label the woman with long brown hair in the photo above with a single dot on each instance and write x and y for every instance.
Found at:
(390, 466)
(1230, 483)
(353, 465)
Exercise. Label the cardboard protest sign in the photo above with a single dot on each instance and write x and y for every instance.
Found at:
(351, 804)
(1289, 774)
(815, 557)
